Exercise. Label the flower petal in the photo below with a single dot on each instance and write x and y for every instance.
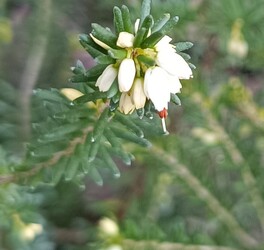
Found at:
(125, 104)
(126, 74)
(125, 40)
(106, 79)
(174, 64)
(156, 87)
(100, 43)
(138, 94)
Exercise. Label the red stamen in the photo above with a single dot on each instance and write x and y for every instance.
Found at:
(163, 113)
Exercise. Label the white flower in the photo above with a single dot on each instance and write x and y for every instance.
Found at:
(174, 64)
(106, 79)
(30, 231)
(174, 84)
(126, 105)
(100, 43)
(108, 227)
(125, 40)
(138, 95)
(164, 44)
(126, 74)
(157, 87)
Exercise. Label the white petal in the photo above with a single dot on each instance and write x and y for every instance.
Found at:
(164, 44)
(156, 87)
(174, 84)
(174, 64)
(137, 25)
(126, 74)
(105, 80)
(125, 40)
(100, 43)
(125, 104)
(138, 94)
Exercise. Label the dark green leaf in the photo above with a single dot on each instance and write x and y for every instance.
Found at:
(117, 53)
(90, 97)
(181, 46)
(128, 26)
(118, 20)
(145, 10)
(104, 35)
(175, 99)
(160, 22)
(146, 60)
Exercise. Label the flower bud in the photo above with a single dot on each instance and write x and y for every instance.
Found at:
(125, 40)
(126, 74)
(106, 79)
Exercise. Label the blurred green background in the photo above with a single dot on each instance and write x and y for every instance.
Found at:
(206, 188)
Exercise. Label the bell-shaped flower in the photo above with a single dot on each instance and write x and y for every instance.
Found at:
(174, 64)
(164, 44)
(126, 105)
(174, 84)
(126, 74)
(137, 94)
(100, 43)
(106, 79)
(157, 87)
(125, 40)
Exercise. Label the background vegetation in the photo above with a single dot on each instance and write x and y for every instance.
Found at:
(202, 185)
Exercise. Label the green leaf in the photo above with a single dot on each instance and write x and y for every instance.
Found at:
(91, 97)
(127, 122)
(113, 89)
(104, 59)
(95, 176)
(119, 54)
(160, 22)
(118, 20)
(152, 40)
(109, 162)
(169, 25)
(181, 46)
(58, 170)
(79, 78)
(104, 35)
(192, 66)
(146, 60)
(50, 95)
(175, 99)
(79, 68)
(140, 36)
(128, 136)
(185, 56)
(96, 70)
(71, 168)
(128, 26)
(145, 10)
(101, 124)
(65, 129)
(90, 46)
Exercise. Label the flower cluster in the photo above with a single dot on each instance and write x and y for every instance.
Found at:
(143, 64)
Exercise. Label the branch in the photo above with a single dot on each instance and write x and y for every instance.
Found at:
(154, 245)
(204, 194)
(236, 157)
(5, 179)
